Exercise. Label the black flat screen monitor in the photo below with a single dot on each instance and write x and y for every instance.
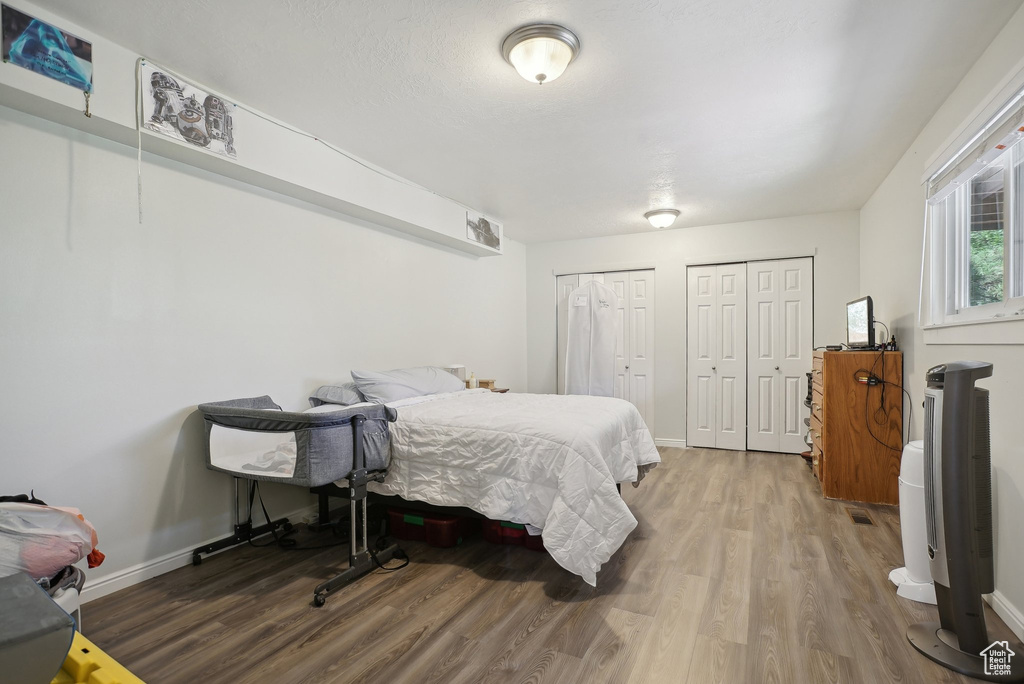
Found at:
(860, 324)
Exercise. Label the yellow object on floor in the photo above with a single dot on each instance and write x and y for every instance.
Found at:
(87, 664)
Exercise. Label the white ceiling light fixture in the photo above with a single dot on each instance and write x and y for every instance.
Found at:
(662, 218)
(540, 52)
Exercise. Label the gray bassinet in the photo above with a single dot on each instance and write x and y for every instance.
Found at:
(254, 439)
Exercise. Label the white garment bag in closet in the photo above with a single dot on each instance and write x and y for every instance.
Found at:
(590, 350)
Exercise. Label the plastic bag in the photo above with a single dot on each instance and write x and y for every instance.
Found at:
(41, 540)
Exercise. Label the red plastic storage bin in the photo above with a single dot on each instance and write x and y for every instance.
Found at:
(499, 532)
(406, 526)
(437, 530)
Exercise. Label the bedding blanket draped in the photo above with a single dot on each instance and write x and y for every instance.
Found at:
(545, 460)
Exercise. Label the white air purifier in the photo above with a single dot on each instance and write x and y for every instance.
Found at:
(913, 581)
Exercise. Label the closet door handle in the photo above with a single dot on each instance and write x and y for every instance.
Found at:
(776, 368)
(713, 368)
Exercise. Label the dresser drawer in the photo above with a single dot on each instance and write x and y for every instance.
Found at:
(818, 405)
(818, 372)
(817, 433)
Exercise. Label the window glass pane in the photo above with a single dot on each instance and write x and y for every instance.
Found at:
(985, 244)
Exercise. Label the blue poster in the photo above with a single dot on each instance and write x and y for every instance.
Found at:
(45, 49)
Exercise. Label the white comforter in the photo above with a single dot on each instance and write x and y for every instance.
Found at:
(545, 460)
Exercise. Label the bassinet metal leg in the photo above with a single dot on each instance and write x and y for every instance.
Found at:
(360, 562)
(244, 531)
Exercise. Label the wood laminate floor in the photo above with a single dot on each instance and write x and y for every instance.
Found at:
(738, 572)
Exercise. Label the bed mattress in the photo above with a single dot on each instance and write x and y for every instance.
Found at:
(550, 461)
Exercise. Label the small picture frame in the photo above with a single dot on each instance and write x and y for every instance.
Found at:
(483, 230)
(45, 49)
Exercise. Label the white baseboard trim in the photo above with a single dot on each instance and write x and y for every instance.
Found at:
(1010, 614)
(677, 443)
(122, 579)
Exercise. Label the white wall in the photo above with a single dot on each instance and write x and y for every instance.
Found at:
(890, 267)
(836, 271)
(113, 331)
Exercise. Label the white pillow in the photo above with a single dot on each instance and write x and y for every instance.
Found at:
(383, 387)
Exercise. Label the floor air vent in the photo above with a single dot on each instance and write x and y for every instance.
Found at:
(859, 516)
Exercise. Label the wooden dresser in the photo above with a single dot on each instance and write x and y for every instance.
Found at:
(852, 424)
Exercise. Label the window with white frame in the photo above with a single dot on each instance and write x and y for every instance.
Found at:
(976, 225)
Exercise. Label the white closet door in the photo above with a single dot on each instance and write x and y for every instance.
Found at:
(796, 347)
(564, 284)
(640, 368)
(619, 282)
(701, 355)
(634, 344)
(763, 379)
(731, 371)
(781, 340)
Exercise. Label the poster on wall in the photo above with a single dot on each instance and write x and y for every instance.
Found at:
(45, 49)
(482, 230)
(177, 109)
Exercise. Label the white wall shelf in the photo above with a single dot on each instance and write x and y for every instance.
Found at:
(270, 155)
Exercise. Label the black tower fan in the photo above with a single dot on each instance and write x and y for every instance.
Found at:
(958, 515)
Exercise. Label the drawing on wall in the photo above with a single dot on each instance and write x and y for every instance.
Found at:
(37, 46)
(181, 111)
(483, 230)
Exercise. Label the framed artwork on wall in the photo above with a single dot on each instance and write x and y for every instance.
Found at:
(177, 109)
(45, 49)
(483, 230)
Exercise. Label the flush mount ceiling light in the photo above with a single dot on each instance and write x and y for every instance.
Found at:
(540, 52)
(662, 218)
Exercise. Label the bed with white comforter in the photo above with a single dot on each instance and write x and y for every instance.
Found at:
(545, 460)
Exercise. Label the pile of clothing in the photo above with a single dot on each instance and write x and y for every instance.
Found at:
(45, 542)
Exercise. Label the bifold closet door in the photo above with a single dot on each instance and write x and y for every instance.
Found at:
(619, 282)
(780, 341)
(716, 406)
(701, 357)
(634, 340)
(640, 356)
(731, 374)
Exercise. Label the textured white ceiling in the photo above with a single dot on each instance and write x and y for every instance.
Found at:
(725, 109)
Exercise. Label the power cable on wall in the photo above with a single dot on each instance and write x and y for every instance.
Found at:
(138, 126)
